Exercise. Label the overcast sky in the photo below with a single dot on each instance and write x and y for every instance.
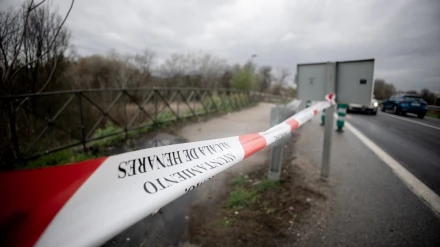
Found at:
(403, 35)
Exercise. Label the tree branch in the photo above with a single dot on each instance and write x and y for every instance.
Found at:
(48, 48)
(36, 6)
(5, 57)
(17, 51)
(44, 86)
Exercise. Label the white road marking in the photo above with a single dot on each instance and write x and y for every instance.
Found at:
(420, 189)
(412, 121)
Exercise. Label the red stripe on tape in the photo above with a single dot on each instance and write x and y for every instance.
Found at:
(31, 198)
(252, 143)
(292, 123)
(315, 112)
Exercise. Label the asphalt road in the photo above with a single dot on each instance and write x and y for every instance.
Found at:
(413, 142)
(371, 205)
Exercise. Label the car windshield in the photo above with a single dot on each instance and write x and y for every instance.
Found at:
(411, 97)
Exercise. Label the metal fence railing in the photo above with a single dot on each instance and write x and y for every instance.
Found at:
(38, 124)
(435, 109)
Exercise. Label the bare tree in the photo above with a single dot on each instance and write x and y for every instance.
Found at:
(30, 38)
(428, 96)
(32, 45)
(383, 90)
(195, 69)
(130, 70)
(225, 80)
(115, 70)
(144, 62)
(266, 77)
(412, 92)
(282, 76)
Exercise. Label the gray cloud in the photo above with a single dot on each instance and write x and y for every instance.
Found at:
(403, 35)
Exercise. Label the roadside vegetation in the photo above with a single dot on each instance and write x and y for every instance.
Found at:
(434, 114)
(255, 211)
(38, 56)
(384, 90)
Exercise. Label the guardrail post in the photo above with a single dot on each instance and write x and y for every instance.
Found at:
(278, 114)
(328, 127)
(308, 103)
(81, 122)
(276, 152)
(328, 132)
(323, 117)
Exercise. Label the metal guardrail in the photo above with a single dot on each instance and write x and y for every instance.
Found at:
(48, 122)
(434, 108)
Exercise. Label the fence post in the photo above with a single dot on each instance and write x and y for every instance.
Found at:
(323, 117)
(81, 122)
(213, 102)
(308, 103)
(177, 101)
(155, 106)
(230, 100)
(124, 100)
(234, 100)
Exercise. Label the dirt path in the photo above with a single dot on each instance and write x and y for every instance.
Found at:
(297, 210)
(201, 218)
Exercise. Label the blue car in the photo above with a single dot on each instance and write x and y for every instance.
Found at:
(406, 103)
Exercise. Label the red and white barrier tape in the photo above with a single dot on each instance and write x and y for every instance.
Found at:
(87, 203)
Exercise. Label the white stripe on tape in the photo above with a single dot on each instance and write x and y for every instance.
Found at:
(275, 133)
(127, 187)
(137, 183)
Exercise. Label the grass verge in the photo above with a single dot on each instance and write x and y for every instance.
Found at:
(164, 120)
(240, 198)
(433, 114)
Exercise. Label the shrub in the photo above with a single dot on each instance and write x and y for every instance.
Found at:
(244, 79)
(267, 185)
(238, 181)
(240, 198)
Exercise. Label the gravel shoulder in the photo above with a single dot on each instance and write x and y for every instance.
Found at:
(278, 217)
